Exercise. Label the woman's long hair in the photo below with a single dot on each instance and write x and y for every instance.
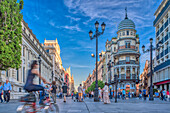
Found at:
(33, 64)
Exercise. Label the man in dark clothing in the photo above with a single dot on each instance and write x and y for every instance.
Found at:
(65, 88)
(53, 91)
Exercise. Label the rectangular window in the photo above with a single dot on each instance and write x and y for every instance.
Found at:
(128, 59)
(127, 32)
(127, 44)
(17, 75)
(23, 74)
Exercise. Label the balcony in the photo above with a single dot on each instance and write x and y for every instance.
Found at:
(125, 62)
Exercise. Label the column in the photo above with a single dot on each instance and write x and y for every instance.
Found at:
(125, 72)
(135, 72)
(119, 73)
(131, 72)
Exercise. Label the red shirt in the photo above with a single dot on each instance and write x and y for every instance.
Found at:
(167, 93)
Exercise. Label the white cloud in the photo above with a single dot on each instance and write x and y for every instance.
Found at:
(73, 28)
(72, 18)
(112, 10)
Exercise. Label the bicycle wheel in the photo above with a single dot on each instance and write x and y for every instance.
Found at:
(25, 109)
(53, 108)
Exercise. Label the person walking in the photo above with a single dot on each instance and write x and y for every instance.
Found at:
(106, 95)
(80, 92)
(1, 93)
(53, 91)
(7, 90)
(100, 94)
(168, 95)
(72, 95)
(140, 94)
(164, 94)
(65, 89)
(123, 94)
(144, 94)
(84, 94)
(92, 94)
(129, 94)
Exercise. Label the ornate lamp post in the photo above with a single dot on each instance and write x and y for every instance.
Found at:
(96, 35)
(52, 75)
(39, 59)
(151, 71)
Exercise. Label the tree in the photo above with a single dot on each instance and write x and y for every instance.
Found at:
(92, 87)
(10, 33)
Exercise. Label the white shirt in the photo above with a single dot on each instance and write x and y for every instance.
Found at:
(106, 88)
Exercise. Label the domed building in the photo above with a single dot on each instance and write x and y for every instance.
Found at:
(123, 53)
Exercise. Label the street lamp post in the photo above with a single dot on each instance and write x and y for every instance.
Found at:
(151, 71)
(39, 59)
(115, 77)
(97, 34)
(52, 75)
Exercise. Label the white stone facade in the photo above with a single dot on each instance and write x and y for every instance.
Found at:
(161, 77)
(31, 49)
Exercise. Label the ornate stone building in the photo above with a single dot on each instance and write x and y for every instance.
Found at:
(123, 53)
(144, 77)
(161, 79)
(69, 80)
(72, 84)
(31, 49)
(52, 47)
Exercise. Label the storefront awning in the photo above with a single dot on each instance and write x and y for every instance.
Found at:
(162, 82)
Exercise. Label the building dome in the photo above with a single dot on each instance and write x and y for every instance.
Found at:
(126, 24)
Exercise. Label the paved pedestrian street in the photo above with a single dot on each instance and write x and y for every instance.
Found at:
(123, 106)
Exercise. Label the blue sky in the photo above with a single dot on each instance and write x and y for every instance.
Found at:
(70, 21)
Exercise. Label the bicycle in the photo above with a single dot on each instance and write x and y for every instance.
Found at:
(30, 105)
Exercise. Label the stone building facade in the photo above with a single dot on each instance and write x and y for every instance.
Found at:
(144, 77)
(69, 80)
(161, 79)
(52, 47)
(123, 53)
(31, 49)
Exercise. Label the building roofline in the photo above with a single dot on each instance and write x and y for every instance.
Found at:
(159, 7)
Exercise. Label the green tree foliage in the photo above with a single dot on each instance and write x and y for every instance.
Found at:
(10, 33)
(92, 87)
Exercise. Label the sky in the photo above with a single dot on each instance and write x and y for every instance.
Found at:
(70, 21)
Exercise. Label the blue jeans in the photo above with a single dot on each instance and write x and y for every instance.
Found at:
(33, 87)
(1, 97)
(6, 96)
